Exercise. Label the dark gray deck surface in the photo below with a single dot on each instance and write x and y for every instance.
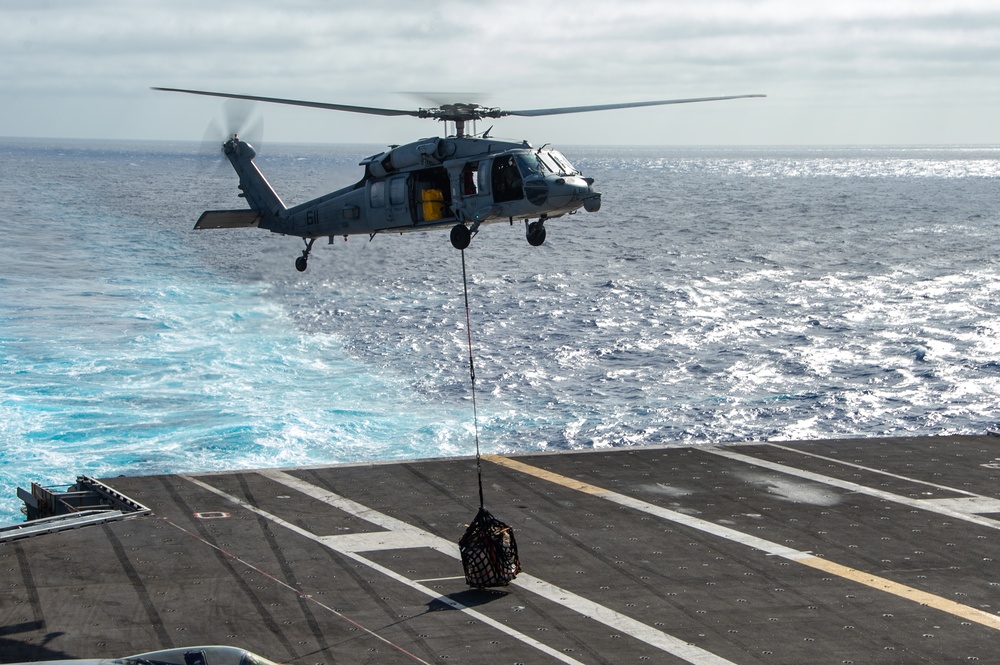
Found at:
(850, 551)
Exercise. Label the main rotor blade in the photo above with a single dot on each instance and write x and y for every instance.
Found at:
(627, 105)
(296, 102)
(439, 99)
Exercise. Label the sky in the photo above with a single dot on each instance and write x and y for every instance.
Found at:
(850, 72)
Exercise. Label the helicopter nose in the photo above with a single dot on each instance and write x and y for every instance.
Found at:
(564, 192)
(581, 188)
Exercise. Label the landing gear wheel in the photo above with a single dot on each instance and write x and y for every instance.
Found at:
(535, 233)
(302, 262)
(461, 236)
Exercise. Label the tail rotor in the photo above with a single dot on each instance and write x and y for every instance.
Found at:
(238, 118)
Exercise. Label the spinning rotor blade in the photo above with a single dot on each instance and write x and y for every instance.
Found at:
(440, 99)
(458, 113)
(297, 102)
(627, 105)
(243, 119)
(236, 117)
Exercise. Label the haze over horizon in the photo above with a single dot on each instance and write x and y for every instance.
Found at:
(898, 72)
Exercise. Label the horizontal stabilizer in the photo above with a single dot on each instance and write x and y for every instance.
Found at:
(227, 219)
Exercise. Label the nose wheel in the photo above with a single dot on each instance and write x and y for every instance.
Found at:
(535, 232)
(302, 262)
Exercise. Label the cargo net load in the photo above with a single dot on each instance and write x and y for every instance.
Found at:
(489, 552)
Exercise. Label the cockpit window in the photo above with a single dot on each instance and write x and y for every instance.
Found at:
(529, 164)
(564, 167)
(544, 162)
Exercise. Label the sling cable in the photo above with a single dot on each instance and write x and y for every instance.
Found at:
(488, 548)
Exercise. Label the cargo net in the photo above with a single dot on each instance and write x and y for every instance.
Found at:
(489, 552)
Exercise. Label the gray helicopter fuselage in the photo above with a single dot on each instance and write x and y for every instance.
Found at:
(461, 181)
(429, 183)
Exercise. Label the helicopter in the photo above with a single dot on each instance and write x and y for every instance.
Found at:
(459, 181)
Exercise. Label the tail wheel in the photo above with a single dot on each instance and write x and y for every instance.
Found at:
(461, 236)
(302, 262)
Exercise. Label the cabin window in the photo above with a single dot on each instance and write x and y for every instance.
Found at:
(470, 180)
(376, 193)
(484, 178)
(194, 658)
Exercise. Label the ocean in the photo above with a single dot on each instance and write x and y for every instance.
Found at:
(721, 294)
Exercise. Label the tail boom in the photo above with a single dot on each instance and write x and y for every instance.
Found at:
(254, 187)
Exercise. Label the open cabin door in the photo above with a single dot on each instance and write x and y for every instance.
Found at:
(431, 196)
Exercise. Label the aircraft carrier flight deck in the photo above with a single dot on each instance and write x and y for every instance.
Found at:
(846, 551)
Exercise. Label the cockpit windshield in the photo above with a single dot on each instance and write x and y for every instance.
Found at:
(544, 162)
(563, 166)
(529, 164)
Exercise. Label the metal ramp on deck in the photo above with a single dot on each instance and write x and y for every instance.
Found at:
(86, 502)
(46, 525)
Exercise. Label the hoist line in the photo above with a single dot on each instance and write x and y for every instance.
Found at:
(472, 375)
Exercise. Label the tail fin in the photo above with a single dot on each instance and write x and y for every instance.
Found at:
(253, 185)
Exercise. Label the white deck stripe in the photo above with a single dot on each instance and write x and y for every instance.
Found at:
(870, 469)
(620, 622)
(976, 505)
(922, 504)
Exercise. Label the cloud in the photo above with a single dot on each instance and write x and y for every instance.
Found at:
(67, 67)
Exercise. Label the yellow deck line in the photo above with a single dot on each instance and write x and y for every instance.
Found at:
(845, 572)
(903, 591)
